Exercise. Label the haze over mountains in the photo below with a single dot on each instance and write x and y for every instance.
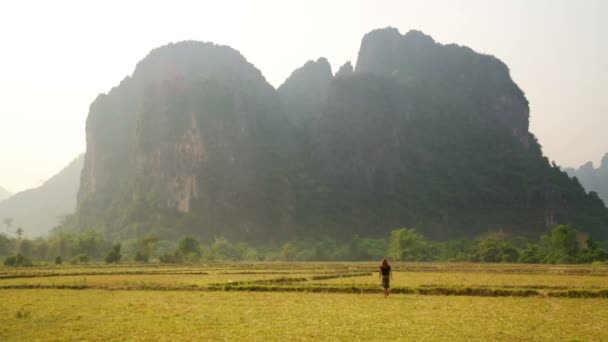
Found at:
(593, 179)
(418, 134)
(4, 194)
(39, 210)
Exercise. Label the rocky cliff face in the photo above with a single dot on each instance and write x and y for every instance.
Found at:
(419, 134)
(204, 138)
(304, 92)
(454, 74)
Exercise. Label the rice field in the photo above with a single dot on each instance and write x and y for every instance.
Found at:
(304, 301)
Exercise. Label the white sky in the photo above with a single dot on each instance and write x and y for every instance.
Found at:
(56, 56)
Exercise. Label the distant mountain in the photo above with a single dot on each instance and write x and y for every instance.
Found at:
(4, 194)
(418, 134)
(38, 210)
(593, 179)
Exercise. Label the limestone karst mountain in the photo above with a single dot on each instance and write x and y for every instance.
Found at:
(39, 210)
(593, 179)
(419, 134)
(304, 92)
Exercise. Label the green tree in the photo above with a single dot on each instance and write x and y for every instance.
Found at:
(6, 245)
(90, 242)
(113, 257)
(26, 247)
(407, 244)
(41, 249)
(82, 258)
(222, 249)
(189, 248)
(532, 254)
(146, 248)
(288, 252)
(592, 253)
(18, 261)
(564, 245)
(497, 250)
(325, 249)
(363, 249)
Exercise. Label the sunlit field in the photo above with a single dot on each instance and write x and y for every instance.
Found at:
(304, 301)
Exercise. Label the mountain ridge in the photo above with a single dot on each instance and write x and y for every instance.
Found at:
(40, 209)
(593, 179)
(417, 134)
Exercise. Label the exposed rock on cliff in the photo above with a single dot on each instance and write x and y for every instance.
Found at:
(420, 135)
(451, 74)
(205, 138)
(303, 93)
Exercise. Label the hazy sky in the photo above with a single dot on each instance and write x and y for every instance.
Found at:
(56, 56)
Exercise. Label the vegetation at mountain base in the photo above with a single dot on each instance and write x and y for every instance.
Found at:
(564, 245)
(114, 255)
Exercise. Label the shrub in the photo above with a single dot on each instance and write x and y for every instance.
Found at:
(140, 257)
(495, 250)
(564, 245)
(532, 254)
(82, 258)
(171, 258)
(58, 260)
(114, 256)
(189, 248)
(17, 261)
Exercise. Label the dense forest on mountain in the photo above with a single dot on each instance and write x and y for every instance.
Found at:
(418, 134)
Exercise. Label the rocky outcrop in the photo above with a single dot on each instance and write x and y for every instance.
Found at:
(345, 70)
(449, 73)
(304, 92)
(205, 139)
(420, 134)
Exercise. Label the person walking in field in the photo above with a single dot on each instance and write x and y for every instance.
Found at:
(386, 275)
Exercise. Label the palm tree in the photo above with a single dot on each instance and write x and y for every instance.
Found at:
(19, 233)
(8, 222)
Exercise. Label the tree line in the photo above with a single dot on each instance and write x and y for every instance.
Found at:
(564, 245)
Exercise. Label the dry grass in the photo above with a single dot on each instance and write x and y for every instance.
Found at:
(280, 301)
(93, 315)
